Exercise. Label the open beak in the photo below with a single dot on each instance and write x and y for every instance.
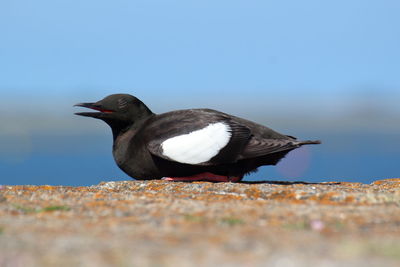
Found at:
(99, 115)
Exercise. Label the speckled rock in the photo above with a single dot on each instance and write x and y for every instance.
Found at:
(160, 223)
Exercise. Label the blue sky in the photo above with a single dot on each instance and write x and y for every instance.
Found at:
(234, 47)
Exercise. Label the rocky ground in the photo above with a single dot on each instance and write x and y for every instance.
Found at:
(160, 223)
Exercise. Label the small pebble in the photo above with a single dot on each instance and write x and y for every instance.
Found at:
(317, 225)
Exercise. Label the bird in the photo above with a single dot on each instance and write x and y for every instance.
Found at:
(187, 145)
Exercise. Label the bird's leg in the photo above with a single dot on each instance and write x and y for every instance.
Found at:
(205, 176)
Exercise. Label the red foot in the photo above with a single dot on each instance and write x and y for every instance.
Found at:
(205, 176)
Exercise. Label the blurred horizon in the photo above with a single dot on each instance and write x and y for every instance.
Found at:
(312, 69)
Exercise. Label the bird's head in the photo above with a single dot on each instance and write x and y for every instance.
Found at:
(120, 111)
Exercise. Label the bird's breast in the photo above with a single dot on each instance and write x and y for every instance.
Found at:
(121, 147)
(131, 155)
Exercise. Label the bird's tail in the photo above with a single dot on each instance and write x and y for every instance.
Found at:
(310, 142)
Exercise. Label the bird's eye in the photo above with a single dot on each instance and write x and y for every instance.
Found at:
(122, 103)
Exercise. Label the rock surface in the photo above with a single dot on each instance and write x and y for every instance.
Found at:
(159, 223)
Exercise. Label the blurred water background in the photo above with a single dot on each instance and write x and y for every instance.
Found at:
(312, 69)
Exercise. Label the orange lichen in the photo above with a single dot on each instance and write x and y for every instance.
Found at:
(253, 193)
(97, 203)
(391, 180)
(47, 187)
(328, 198)
(99, 195)
(349, 199)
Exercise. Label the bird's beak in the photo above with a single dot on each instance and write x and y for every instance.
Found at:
(99, 115)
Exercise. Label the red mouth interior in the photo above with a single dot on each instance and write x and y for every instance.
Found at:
(102, 110)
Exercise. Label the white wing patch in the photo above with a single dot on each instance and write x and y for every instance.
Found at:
(198, 146)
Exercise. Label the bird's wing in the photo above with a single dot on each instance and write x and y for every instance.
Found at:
(197, 137)
(258, 147)
(265, 141)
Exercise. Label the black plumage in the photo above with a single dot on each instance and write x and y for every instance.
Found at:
(140, 137)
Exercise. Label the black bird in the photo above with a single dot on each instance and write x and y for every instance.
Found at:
(187, 145)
